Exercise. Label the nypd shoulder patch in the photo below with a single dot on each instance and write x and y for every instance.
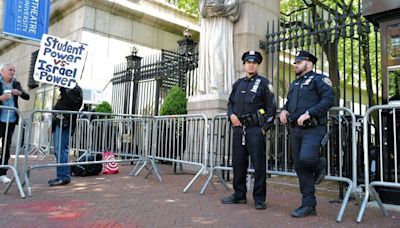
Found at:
(270, 87)
(327, 81)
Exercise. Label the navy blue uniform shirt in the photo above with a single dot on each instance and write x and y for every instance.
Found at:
(311, 92)
(250, 95)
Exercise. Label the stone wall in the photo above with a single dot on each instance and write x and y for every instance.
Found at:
(110, 29)
(252, 28)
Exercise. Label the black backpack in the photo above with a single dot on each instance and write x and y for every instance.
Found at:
(88, 169)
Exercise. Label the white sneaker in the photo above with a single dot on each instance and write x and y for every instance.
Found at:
(4, 179)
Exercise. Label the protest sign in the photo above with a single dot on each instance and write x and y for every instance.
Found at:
(60, 62)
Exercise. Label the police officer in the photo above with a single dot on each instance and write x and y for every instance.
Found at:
(251, 109)
(309, 99)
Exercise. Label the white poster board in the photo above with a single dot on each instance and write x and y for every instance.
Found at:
(60, 61)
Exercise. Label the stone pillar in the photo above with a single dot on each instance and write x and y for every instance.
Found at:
(248, 32)
(208, 104)
(252, 28)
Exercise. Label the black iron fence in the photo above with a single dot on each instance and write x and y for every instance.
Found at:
(345, 43)
(348, 50)
(141, 84)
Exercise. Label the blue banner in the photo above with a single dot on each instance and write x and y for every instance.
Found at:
(28, 19)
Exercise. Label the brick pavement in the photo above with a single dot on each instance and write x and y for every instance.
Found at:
(125, 201)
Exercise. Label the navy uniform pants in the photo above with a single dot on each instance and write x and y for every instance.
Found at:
(305, 147)
(255, 147)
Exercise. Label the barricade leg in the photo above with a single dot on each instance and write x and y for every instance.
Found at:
(135, 171)
(378, 199)
(156, 170)
(17, 181)
(153, 167)
(141, 168)
(208, 181)
(363, 206)
(345, 201)
(27, 174)
(203, 168)
(204, 188)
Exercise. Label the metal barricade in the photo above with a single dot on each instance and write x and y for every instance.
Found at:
(81, 138)
(220, 158)
(126, 136)
(278, 157)
(6, 132)
(337, 170)
(387, 174)
(182, 139)
(220, 153)
(40, 142)
(129, 138)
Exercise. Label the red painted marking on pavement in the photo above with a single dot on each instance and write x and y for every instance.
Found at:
(56, 209)
(65, 215)
(113, 224)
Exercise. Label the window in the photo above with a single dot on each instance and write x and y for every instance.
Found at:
(45, 97)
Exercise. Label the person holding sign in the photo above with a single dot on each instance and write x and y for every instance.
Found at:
(10, 90)
(60, 62)
(63, 126)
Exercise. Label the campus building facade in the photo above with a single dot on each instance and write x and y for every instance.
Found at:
(111, 29)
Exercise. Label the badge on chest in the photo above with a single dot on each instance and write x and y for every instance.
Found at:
(308, 81)
(256, 85)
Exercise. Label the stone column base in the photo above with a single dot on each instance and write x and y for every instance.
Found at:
(208, 104)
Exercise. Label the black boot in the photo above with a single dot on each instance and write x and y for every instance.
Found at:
(304, 211)
(232, 199)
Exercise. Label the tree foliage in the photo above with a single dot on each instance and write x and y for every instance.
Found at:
(351, 46)
(104, 107)
(189, 6)
(175, 102)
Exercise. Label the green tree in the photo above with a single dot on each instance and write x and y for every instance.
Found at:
(189, 6)
(175, 103)
(104, 107)
(348, 43)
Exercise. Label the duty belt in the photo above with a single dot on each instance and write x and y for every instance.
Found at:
(309, 123)
(249, 120)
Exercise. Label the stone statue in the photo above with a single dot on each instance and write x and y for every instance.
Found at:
(217, 72)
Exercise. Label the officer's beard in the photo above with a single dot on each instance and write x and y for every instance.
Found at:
(301, 71)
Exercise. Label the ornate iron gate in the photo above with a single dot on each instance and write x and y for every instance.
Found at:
(345, 43)
(140, 84)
